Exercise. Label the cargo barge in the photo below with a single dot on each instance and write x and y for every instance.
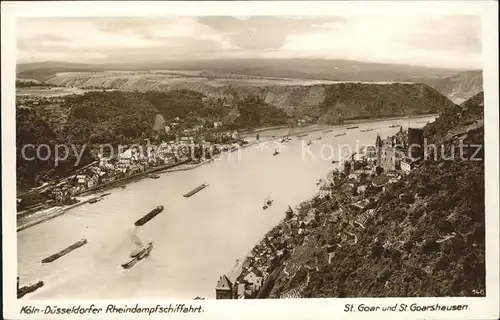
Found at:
(72, 247)
(21, 292)
(153, 213)
(196, 190)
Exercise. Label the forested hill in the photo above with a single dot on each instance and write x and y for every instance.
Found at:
(31, 168)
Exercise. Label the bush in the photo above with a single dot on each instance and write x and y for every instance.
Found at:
(430, 245)
(376, 250)
(384, 275)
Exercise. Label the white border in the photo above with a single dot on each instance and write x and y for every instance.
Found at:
(479, 308)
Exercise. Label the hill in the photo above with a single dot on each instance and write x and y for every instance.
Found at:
(324, 69)
(458, 85)
(32, 169)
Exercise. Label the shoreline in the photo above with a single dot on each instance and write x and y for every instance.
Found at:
(320, 127)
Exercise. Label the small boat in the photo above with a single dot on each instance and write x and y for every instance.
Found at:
(154, 176)
(138, 254)
(61, 253)
(302, 135)
(289, 210)
(21, 292)
(394, 126)
(196, 190)
(353, 127)
(366, 130)
(94, 200)
(153, 213)
(105, 194)
(276, 152)
(309, 143)
(265, 206)
(335, 161)
(318, 182)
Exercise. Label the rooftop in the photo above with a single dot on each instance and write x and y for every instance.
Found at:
(224, 283)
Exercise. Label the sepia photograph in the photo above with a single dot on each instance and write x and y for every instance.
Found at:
(257, 156)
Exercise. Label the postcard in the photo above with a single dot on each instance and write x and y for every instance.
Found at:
(321, 159)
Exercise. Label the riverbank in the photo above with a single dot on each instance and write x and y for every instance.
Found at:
(39, 216)
(47, 214)
(312, 128)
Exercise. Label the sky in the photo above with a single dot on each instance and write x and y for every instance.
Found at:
(452, 41)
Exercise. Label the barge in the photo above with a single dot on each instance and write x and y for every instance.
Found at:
(21, 292)
(153, 213)
(61, 253)
(340, 134)
(196, 190)
(353, 127)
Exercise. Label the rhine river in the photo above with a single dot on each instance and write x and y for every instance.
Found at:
(196, 239)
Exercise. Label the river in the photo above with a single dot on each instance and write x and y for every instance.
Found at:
(196, 239)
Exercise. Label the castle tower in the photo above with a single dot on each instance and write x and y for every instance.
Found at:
(416, 142)
(378, 145)
(224, 288)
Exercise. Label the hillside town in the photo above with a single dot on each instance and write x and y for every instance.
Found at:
(348, 195)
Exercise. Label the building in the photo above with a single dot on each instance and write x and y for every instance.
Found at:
(224, 288)
(82, 179)
(416, 142)
(240, 292)
(325, 191)
(379, 144)
(408, 164)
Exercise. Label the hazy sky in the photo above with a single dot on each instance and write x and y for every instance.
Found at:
(446, 41)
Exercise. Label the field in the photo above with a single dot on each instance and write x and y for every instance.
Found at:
(170, 79)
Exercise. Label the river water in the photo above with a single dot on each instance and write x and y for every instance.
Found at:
(196, 239)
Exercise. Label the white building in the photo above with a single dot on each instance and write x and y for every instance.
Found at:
(325, 191)
(408, 164)
(81, 179)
